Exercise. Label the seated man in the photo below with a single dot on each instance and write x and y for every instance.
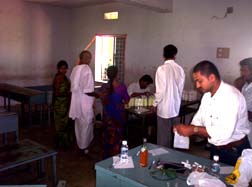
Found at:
(139, 88)
(222, 116)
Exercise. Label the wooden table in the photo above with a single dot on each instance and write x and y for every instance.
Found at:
(138, 176)
(147, 117)
(23, 95)
(187, 107)
(27, 151)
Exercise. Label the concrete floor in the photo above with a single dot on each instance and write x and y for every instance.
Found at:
(74, 168)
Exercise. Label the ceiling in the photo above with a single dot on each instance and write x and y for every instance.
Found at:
(156, 5)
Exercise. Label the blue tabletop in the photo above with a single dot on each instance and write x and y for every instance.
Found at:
(141, 176)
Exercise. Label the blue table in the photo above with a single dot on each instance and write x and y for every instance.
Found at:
(23, 95)
(107, 176)
(48, 90)
(27, 151)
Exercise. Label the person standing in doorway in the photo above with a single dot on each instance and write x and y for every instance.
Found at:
(81, 108)
(169, 82)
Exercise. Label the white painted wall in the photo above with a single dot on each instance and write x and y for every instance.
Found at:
(33, 38)
(189, 27)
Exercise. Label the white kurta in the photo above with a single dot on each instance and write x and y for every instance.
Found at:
(81, 108)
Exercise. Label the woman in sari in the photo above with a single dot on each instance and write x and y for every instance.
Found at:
(61, 103)
(114, 96)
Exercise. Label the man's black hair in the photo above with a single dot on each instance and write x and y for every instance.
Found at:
(207, 68)
(146, 78)
(170, 51)
(246, 62)
(62, 63)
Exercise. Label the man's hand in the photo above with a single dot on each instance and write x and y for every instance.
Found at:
(184, 130)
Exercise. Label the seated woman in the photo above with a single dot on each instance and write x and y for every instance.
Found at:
(61, 103)
(114, 96)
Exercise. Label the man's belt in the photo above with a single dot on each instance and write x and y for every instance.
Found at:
(232, 144)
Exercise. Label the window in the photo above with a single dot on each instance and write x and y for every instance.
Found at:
(109, 50)
(111, 15)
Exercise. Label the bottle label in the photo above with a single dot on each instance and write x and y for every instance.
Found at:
(215, 168)
(124, 155)
(143, 158)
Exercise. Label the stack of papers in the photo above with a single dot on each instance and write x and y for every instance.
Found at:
(118, 165)
(158, 151)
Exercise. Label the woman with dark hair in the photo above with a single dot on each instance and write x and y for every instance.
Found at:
(61, 103)
(114, 96)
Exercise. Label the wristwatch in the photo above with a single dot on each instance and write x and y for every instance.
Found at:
(195, 129)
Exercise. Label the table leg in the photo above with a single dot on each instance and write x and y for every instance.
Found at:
(41, 168)
(8, 104)
(54, 170)
(4, 138)
(143, 128)
(23, 113)
(30, 114)
(5, 102)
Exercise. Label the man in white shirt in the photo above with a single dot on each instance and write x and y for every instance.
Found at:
(246, 75)
(169, 82)
(222, 116)
(141, 87)
(81, 108)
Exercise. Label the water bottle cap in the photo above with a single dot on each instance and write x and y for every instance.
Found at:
(216, 158)
(124, 142)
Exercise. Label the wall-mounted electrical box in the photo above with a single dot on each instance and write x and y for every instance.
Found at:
(222, 52)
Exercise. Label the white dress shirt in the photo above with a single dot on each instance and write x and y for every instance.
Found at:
(135, 88)
(224, 115)
(247, 92)
(169, 82)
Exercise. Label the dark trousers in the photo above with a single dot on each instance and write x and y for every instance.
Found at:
(229, 156)
(165, 132)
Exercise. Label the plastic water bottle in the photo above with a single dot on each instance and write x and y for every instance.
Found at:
(124, 152)
(215, 168)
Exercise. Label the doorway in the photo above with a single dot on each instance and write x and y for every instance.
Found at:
(109, 50)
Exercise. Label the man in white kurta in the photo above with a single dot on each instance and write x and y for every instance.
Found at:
(169, 82)
(81, 108)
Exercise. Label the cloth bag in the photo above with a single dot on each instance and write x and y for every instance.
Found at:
(242, 172)
(181, 142)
